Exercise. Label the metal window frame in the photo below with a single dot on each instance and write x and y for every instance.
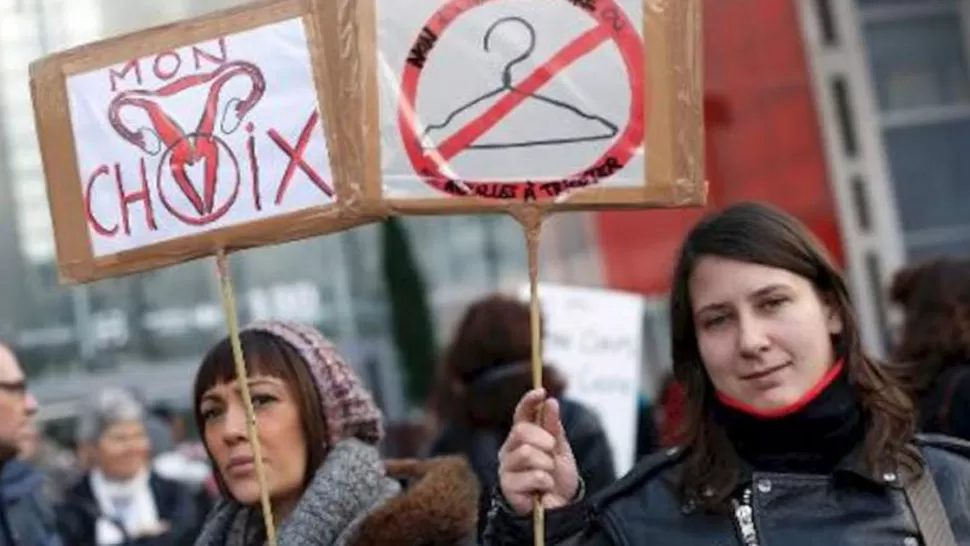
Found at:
(860, 179)
(909, 10)
(934, 115)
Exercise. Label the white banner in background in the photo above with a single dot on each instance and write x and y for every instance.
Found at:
(595, 337)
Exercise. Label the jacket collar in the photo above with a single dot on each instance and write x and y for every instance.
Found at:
(852, 465)
(19, 479)
(438, 505)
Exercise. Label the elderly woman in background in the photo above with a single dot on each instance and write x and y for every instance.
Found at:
(121, 501)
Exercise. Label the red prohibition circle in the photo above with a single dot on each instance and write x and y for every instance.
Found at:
(611, 19)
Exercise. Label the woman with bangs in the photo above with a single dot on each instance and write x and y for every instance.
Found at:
(319, 431)
(793, 435)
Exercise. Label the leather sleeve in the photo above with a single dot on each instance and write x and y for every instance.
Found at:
(958, 413)
(570, 525)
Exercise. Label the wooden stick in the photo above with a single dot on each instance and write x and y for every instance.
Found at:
(538, 511)
(531, 219)
(229, 304)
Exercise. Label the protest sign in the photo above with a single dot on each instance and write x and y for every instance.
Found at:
(285, 119)
(282, 120)
(172, 143)
(475, 105)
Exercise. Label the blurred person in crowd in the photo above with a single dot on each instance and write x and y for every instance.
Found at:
(28, 443)
(486, 370)
(26, 517)
(933, 348)
(187, 449)
(794, 436)
(57, 465)
(121, 500)
(406, 439)
(186, 462)
(318, 429)
(174, 419)
(159, 431)
(182, 441)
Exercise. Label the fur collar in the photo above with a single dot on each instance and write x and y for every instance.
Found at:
(439, 505)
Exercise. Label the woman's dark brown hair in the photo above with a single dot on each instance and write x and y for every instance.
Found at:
(761, 235)
(266, 355)
(935, 299)
(486, 369)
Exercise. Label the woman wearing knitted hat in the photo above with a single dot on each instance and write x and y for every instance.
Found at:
(318, 429)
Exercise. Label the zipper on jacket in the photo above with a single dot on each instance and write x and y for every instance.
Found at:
(744, 519)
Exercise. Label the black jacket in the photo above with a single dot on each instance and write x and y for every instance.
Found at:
(27, 518)
(844, 508)
(594, 457)
(77, 516)
(945, 407)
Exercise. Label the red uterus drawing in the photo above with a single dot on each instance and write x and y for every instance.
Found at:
(183, 148)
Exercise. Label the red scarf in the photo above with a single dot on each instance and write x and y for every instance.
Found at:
(789, 409)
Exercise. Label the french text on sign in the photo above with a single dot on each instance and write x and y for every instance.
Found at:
(206, 136)
(511, 100)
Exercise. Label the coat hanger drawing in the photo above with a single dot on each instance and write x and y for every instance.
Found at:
(610, 129)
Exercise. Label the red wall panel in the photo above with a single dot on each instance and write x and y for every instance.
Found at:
(763, 142)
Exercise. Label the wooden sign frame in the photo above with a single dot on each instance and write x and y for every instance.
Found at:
(343, 48)
(76, 259)
(672, 94)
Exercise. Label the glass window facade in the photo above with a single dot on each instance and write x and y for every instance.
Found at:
(918, 54)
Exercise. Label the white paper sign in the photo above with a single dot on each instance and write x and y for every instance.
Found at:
(483, 97)
(595, 337)
(202, 137)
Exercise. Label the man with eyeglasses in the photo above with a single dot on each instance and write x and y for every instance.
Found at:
(26, 517)
(16, 404)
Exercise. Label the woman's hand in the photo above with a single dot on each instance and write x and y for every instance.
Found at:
(536, 459)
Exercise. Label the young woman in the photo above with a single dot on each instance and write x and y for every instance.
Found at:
(318, 429)
(794, 437)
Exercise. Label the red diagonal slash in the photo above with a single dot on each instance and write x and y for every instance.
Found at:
(296, 159)
(464, 137)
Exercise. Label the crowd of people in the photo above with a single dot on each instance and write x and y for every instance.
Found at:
(775, 428)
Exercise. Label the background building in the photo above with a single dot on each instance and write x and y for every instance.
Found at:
(150, 330)
(851, 114)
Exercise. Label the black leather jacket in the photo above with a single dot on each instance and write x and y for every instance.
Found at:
(481, 446)
(844, 508)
